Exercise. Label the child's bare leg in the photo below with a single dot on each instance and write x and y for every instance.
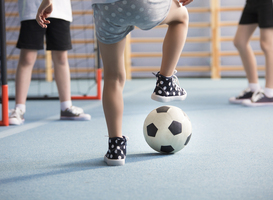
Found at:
(175, 38)
(114, 80)
(266, 40)
(241, 42)
(62, 74)
(62, 78)
(23, 74)
(167, 88)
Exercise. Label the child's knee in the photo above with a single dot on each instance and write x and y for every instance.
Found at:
(240, 43)
(266, 46)
(115, 78)
(177, 14)
(184, 15)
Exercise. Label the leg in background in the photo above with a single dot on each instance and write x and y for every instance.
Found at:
(23, 74)
(241, 42)
(23, 78)
(266, 41)
(62, 74)
(62, 78)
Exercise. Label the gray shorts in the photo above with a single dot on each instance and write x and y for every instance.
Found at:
(114, 21)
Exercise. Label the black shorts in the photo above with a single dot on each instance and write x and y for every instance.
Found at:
(258, 12)
(57, 35)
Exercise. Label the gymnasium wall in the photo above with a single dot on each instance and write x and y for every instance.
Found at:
(204, 54)
(200, 28)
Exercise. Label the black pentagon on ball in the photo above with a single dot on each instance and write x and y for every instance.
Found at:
(175, 127)
(162, 109)
(151, 130)
(188, 139)
(166, 149)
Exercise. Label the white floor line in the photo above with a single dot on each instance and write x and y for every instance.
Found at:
(25, 127)
(18, 129)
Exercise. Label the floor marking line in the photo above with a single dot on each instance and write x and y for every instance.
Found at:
(29, 126)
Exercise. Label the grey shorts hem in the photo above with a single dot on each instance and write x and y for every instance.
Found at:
(113, 41)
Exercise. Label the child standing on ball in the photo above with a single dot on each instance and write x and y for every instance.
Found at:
(114, 19)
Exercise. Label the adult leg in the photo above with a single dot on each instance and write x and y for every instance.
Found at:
(114, 80)
(23, 74)
(266, 41)
(177, 21)
(62, 74)
(241, 42)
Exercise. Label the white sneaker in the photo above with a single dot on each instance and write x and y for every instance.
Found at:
(245, 95)
(259, 99)
(116, 154)
(74, 113)
(16, 117)
(167, 89)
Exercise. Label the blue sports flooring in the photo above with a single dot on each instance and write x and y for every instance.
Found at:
(229, 156)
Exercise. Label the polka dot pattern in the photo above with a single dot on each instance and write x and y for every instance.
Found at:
(117, 148)
(115, 20)
(167, 86)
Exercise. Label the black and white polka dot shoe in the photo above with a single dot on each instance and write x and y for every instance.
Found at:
(168, 89)
(116, 153)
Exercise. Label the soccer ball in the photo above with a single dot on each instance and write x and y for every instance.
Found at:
(167, 129)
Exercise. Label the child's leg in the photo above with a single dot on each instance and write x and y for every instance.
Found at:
(266, 40)
(175, 38)
(23, 78)
(114, 80)
(241, 42)
(62, 78)
(23, 74)
(264, 98)
(62, 74)
(167, 88)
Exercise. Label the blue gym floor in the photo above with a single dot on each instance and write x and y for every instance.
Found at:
(229, 156)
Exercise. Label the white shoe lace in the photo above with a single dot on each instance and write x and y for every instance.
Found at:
(175, 80)
(75, 110)
(16, 113)
(257, 96)
(244, 92)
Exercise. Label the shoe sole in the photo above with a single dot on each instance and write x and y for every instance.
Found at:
(81, 118)
(15, 122)
(114, 162)
(248, 103)
(168, 99)
(235, 101)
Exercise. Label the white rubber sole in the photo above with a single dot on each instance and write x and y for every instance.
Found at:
(250, 104)
(114, 162)
(83, 117)
(236, 101)
(168, 99)
(13, 121)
